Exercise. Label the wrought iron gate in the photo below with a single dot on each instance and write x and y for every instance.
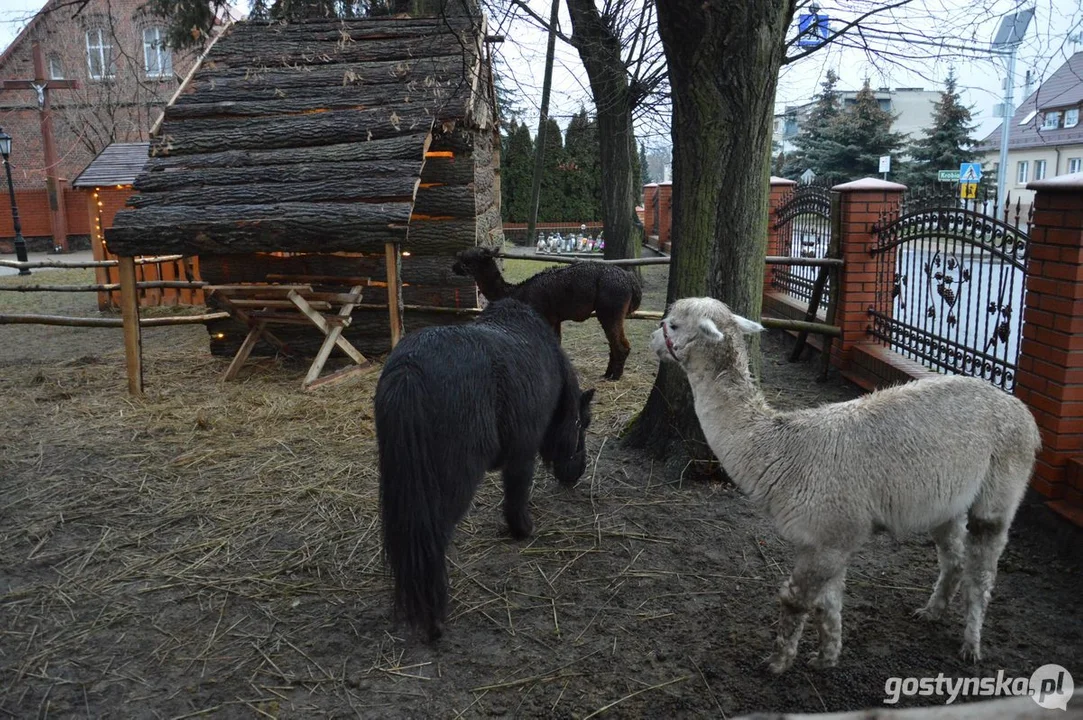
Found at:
(951, 276)
(803, 228)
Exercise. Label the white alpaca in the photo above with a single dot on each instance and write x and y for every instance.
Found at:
(949, 455)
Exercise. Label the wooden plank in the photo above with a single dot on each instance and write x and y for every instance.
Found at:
(133, 339)
(393, 258)
(242, 316)
(94, 322)
(289, 318)
(245, 350)
(345, 373)
(245, 290)
(267, 304)
(342, 319)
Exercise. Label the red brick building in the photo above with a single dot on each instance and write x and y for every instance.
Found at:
(125, 75)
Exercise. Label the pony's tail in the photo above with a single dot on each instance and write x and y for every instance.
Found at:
(414, 533)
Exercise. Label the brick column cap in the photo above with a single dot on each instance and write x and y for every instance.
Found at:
(1061, 183)
(776, 181)
(667, 182)
(869, 184)
(651, 185)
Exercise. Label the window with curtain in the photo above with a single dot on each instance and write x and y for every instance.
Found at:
(99, 54)
(157, 58)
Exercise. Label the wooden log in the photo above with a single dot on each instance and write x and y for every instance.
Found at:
(287, 52)
(447, 171)
(804, 262)
(286, 227)
(400, 147)
(83, 264)
(133, 339)
(279, 174)
(103, 287)
(290, 131)
(332, 189)
(215, 84)
(319, 268)
(95, 322)
(440, 237)
(345, 30)
(451, 201)
(437, 99)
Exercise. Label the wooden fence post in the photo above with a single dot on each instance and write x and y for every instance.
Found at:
(133, 336)
(394, 291)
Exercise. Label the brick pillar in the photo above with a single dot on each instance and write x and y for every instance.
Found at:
(650, 222)
(665, 214)
(1050, 377)
(864, 202)
(780, 188)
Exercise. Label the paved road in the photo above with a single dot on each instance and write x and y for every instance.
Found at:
(81, 256)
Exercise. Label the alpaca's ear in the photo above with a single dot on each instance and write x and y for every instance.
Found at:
(748, 327)
(709, 329)
(585, 398)
(494, 252)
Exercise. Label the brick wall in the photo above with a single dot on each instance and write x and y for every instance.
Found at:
(85, 120)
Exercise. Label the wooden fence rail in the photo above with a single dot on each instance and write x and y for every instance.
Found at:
(105, 287)
(74, 265)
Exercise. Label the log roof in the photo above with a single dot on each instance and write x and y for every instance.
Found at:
(306, 137)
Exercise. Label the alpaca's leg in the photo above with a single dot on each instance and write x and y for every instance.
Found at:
(619, 347)
(829, 619)
(518, 477)
(815, 569)
(985, 542)
(950, 550)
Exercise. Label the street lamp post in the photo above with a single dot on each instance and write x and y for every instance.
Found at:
(20, 243)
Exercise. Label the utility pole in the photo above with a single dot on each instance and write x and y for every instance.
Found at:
(539, 151)
(1008, 37)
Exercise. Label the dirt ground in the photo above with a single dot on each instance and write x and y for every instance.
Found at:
(212, 550)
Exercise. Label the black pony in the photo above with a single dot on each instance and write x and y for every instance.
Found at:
(452, 403)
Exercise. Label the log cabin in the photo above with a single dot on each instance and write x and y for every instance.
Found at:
(294, 153)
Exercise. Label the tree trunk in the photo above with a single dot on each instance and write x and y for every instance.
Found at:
(723, 66)
(600, 50)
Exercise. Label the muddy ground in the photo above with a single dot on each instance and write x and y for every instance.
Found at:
(212, 550)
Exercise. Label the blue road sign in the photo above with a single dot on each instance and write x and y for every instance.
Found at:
(812, 30)
(969, 173)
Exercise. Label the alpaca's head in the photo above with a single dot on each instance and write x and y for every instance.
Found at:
(695, 325)
(473, 261)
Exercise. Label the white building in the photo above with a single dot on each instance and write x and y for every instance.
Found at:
(1045, 138)
(912, 107)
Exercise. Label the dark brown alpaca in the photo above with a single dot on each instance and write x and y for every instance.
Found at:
(571, 292)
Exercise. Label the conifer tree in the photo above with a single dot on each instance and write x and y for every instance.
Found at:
(816, 147)
(947, 143)
(863, 134)
(516, 172)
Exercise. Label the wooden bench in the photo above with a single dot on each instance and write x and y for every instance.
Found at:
(260, 306)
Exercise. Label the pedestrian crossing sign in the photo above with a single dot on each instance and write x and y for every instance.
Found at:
(970, 173)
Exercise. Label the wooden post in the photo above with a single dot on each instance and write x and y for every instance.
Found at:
(133, 337)
(54, 185)
(394, 291)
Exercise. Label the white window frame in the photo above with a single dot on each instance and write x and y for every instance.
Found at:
(1022, 172)
(1051, 120)
(1075, 165)
(1039, 169)
(1071, 118)
(157, 57)
(56, 68)
(99, 46)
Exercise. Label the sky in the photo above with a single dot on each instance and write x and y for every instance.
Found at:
(970, 25)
